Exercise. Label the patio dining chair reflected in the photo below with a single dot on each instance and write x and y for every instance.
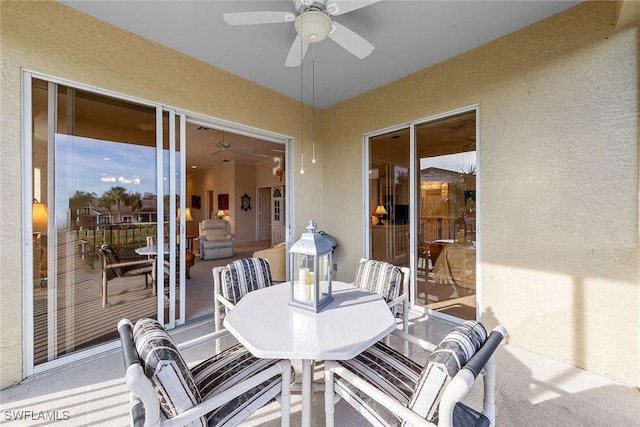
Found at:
(113, 267)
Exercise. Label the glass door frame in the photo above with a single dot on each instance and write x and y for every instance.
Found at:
(413, 211)
(28, 343)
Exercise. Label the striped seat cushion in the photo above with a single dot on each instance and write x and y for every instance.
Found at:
(167, 370)
(447, 359)
(225, 370)
(243, 276)
(388, 371)
(380, 277)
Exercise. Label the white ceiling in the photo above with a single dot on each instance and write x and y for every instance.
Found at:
(408, 36)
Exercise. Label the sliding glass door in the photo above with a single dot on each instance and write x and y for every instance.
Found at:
(105, 184)
(422, 208)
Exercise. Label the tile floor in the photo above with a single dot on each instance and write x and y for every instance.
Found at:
(531, 390)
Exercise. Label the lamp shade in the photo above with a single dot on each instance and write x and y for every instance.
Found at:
(40, 217)
(187, 215)
(380, 210)
(312, 26)
(220, 214)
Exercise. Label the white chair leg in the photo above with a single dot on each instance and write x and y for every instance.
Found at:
(329, 401)
(285, 397)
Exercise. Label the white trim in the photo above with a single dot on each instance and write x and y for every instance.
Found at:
(183, 226)
(413, 169)
(27, 222)
(171, 322)
(89, 88)
(76, 356)
(52, 240)
(160, 217)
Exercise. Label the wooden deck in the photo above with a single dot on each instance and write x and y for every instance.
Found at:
(79, 318)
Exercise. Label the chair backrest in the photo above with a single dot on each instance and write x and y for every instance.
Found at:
(214, 229)
(165, 367)
(380, 277)
(453, 352)
(243, 276)
(110, 257)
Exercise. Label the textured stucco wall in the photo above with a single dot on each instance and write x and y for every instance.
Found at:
(50, 38)
(558, 179)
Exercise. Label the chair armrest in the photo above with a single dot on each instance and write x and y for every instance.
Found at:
(396, 301)
(413, 340)
(130, 263)
(228, 304)
(283, 367)
(203, 339)
(379, 396)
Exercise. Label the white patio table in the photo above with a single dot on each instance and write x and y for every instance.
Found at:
(264, 322)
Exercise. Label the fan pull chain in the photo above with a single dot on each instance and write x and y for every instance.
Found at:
(313, 104)
(301, 111)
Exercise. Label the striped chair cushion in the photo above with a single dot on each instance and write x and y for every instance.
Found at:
(167, 370)
(447, 359)
(225, 370)
(387, 370)
(243, 276)
(380, 277)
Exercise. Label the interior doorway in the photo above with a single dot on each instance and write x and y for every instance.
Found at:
(264, 214)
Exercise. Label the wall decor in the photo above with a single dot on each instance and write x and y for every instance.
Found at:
(195, 202)
(223, 202)
(246, 202)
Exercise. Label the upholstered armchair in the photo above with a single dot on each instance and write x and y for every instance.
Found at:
(216, 240)
(277, 257)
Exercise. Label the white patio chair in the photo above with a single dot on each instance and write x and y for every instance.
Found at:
(220, 391)
(235, 280)
(387, 280)
(389, 389)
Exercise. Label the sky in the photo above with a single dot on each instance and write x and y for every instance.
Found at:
(454, 162)
(96, 166)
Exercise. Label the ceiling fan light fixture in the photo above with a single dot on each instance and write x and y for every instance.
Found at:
(312, 26)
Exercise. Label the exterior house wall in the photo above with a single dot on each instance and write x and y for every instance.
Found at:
(558, 180)
(558, 144)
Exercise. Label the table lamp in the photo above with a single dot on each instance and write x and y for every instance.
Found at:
(380, 211)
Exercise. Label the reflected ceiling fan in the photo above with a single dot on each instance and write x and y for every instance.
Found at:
(313, 24)
(226, 147)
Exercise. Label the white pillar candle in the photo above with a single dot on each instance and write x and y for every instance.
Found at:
(310, 286)
(303, 280)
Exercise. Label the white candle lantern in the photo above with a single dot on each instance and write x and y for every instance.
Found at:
(310, 271)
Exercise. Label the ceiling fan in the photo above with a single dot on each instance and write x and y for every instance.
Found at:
(313, 24)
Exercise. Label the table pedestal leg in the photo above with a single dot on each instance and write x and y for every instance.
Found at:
(306, 392)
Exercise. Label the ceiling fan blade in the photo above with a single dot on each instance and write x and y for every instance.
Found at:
(351, 41)
(251, 18)
(293, 58)
(336, 8)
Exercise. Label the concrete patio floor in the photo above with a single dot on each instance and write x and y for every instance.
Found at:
(531, 390)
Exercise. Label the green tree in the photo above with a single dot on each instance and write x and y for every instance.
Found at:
(81, 199)
(133, 201)
(114, 196)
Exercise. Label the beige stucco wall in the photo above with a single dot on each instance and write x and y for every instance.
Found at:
(558, 162)
(50, 38)
(558, 180)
